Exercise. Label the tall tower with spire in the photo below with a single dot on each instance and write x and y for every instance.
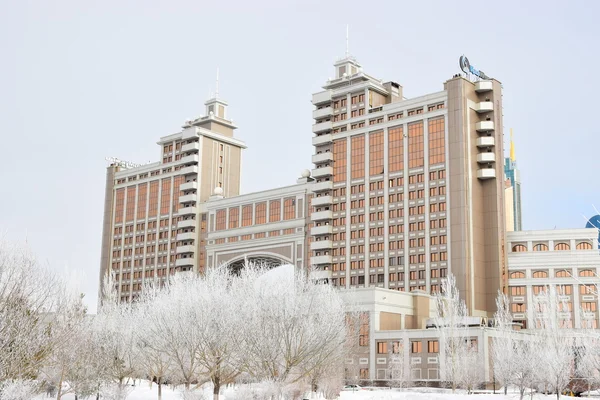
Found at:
(512, 190)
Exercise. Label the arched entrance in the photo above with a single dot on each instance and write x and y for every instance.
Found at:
(268, 261)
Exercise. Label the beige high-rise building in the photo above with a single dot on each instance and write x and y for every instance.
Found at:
(152, 222)
(408, 190)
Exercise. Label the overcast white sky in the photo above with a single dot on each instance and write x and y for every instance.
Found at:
(82, 80)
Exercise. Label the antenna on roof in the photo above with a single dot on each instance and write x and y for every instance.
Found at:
(347, 46)
(217, 90)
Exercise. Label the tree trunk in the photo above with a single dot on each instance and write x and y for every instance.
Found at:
(506, 389)
(216, 388)
(159, 388)
(59, 394)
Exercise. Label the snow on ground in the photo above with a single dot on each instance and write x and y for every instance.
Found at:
(144, 392)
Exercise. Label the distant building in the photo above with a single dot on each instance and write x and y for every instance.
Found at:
(566, 258)
(512, 191)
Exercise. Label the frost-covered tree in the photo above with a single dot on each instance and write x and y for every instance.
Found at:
(28, 295)
(524, 357)
(551, 317)
(71, 348)
(460, 361)
(174, 323)
(153, 361)
(293, 325)
(503, 345)
(114, 335)
(398, 370)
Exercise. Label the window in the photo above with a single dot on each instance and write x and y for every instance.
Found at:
(433, 346)
(562, 246)
(563, 273)
(415, 145)
(261, 213)
(376, 153)
(381, 347)
(517, 275)
(416, 347)
(540, 274)
(357, 156)
(517, 307)
(584, 246)
(274, 210)
(234, 217)
(517, 290)
(339, 160)
(540, 247)
(437, 149)
(247, 215)
(363, 338)
(289, 206)
(587, 289)
(141, 202)
(165, 196)
(518, 248)
(587, 273)
(589, 306)
(565, 289)
(220, 219)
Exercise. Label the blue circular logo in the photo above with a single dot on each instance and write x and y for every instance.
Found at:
(464, 64)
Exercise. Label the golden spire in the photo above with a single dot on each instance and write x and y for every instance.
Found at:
(512, 147)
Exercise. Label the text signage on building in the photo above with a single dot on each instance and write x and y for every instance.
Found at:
(121, 163)
(466, 66)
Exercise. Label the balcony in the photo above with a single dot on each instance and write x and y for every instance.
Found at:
(322, 127)
(321, 97)
(320, 260)
(484, 86)
(322, 112)
(484, 158)
(486, 141)
(321, 230)
(184, 262)
(187, 211)
(322, 186)
(320, 274)
(187, 236)
(321, 172)
(321, 215)
(189, 186)
(484, 106)
(321, 245)
(323, 139)
(186, 249)
(186, 223)
(486, 173)
(321, 201)
(190, 147)
(484, 126)
(323, 157)
(189, 159)
(189, 170)
(188, 198)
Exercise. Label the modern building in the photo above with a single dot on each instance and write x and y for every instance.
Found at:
(410, 187)
(566, 258)
(512, 195)
(153, 225)
(402, 191)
